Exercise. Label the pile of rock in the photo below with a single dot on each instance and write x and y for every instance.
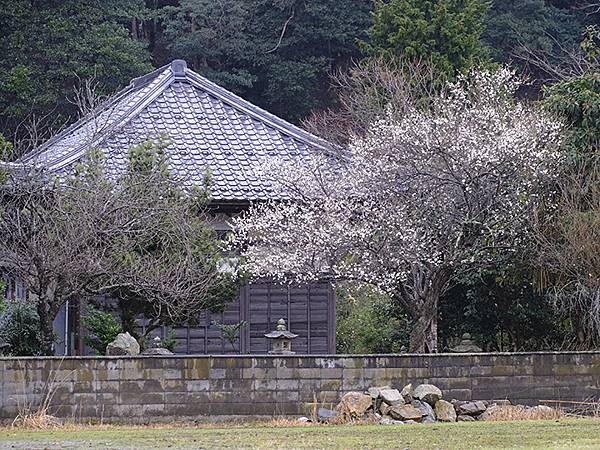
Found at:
(423, 404)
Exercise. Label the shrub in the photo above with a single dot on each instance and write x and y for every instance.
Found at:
(19, 328)
(103, 328)
(170, 341)
(369, 322)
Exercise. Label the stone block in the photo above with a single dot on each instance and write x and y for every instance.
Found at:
(289, 362)
(304, 373)
(331, 373)
(460, 394)
(179, 410)
(152, 362)
(329, 396)
(287, 372)
(234, 385)
(174, 374)
(131, 386)
(105, 398)
(216, 374)
(226, 362)
(107, 386)
(140, 398)
(329, 363)
(306, 362)
(449, 372)
(264, 362)
(199, 368)
(331, 384)
(153, 374)
(264, 385)
(173, 362)
(480, 371)
(287, 384)
(83, 386)
(451, 383)
(260, 373)
(197, 385)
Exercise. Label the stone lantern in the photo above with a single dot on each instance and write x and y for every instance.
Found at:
(281, 340)
(156, 348)
(466, 345)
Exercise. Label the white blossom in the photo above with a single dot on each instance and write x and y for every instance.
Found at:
(420, 195)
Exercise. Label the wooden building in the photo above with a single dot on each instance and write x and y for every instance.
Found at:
(209, 129)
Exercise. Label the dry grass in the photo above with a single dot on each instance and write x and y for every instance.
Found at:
(512, 413)
(33, 413)
(538, 434)
(590, 407)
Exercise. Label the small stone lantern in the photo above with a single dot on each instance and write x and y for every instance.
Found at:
(466, 345)
(281, 340)
(156, 348)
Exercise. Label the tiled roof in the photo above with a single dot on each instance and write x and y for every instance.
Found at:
(210, 129)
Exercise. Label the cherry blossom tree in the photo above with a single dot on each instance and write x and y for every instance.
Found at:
(423, 195)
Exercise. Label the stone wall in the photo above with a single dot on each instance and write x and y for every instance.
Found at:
(162, 388)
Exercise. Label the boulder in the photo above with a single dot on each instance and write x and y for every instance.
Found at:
(444, 411)
(388, 421)
(489, 413)
(426, 410)
(325, 414)
(464, 418)
(471, 408)
(375, 392)
(405, 412)
(501, 402)
(391, 396)
(457, 403)
(354, 405)
(385, 409)
(427, 393)
(409, 422)
(407, 393)
(124, 344)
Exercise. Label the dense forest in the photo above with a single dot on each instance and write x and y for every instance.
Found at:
(276, 53)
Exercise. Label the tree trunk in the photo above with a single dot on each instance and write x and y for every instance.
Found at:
(423, 337)
(46, 327)
(426, 291)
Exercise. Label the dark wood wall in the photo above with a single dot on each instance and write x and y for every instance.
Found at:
(308, 310)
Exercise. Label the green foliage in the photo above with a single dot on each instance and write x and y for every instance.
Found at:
(175, 243)
(19, 327)
(47, 47)
(577, 100)
(535, 24)
(103, 329)
(149, 156)
(501, 309)
(230, 331)
(6, 149)
(3, 304)
(170, 341)
(445, 32)
(369, 322)
(276, 54)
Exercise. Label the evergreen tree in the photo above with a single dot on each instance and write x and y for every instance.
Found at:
(446, 32)
(537, 25)
(277, 54)
(47, 46)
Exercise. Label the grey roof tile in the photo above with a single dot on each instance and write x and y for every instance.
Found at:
(209, 127)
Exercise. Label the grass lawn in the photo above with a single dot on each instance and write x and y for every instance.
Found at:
(563, 434)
